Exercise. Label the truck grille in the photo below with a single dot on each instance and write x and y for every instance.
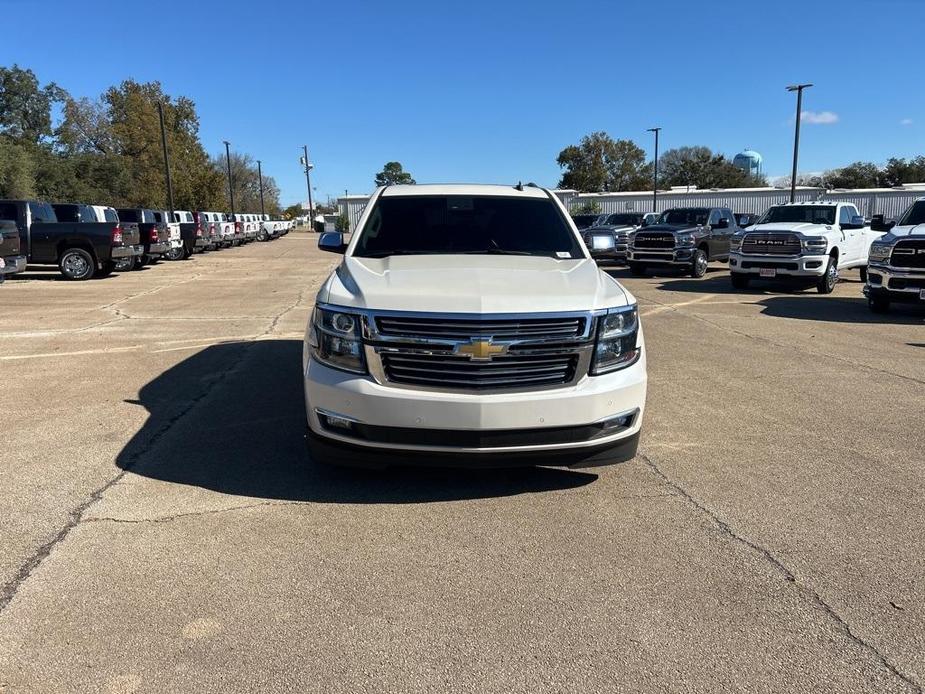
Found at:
(654, 240)
(909, 253)
(461, 373)
(771, 243)
(466, 329)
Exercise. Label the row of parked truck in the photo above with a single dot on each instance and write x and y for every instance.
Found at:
(86, 241)
(806, 242)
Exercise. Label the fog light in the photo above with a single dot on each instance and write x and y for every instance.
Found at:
(332, 420)
(618, 422)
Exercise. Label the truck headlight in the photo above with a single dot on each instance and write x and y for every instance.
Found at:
(815, 244)
(880, 251)
(685, 241)
(735, 242)
(617, 332)
(336, 340)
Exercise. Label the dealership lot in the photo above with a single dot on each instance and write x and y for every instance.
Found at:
(163, 529)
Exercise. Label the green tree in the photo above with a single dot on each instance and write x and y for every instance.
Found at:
(25, 107)
(899, 171)
(247, 183)
(587, 207)
(17, 170)
(393, 174)
(700, 166)
(860, 174)
(600, 163)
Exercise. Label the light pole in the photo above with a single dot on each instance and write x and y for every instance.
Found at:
(308, 184)
(228, 163)
(798, 88)
(655, 176)
(260, 182)
(160, 113)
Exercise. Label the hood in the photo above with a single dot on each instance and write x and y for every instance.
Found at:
(902, 232)
(472, 284)
(796, 227)
(674, 228)
(615, 228)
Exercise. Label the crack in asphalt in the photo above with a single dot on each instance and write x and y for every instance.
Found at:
(782, 569)
(76, 516)
(190, 514)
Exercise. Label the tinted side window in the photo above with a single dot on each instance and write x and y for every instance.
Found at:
(128, 215)
(8, 211)
(714, 217)
(39, 212)
(64, 213)
(110, 215)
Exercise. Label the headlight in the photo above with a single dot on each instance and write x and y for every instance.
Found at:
(735, 242)
(617, 332)
(336, 340)
(685, 240)
(880, 251)
(815, 244)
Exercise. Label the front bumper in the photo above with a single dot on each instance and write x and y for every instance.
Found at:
(615, 254)
(12, 264)
(901, 286)
(595, 415)
(813, 266)
(655, 256)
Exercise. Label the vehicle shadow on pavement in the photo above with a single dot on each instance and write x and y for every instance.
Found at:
(231, 418)
(838, 309)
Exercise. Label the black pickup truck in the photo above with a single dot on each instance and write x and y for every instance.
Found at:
(687, 238)
(88, 214)
(80, 250)
(11, 260)
(155, 236)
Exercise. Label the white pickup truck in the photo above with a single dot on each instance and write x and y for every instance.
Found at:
(468, 325)
(804, 241)
(896, 270)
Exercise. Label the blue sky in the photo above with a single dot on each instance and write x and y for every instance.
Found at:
(490, 91)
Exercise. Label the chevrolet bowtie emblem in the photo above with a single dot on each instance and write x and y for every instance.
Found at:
(481, 350)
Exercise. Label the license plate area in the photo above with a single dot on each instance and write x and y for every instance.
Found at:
(767, 272)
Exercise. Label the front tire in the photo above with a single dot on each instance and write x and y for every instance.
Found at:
(76, 264)
(637, 269)
(699, 263)
(826, 283)
(878, 304)
(740, 280)
(176, 253)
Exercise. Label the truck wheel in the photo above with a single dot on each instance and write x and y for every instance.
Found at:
(637, 269)
(740, 280)
(878, 304)
(826, 283)
(107, 267)
(699, 264)
(864, 274)
(138, 262)
(175, 253)
(77, 264)
(124, 265)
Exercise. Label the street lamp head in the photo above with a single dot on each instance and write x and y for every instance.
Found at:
(652, 130)
(226, 143)
(797, 87)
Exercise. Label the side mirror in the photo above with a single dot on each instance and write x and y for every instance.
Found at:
(723, 223)
(879, 223)
(332, 242)
(645, 223)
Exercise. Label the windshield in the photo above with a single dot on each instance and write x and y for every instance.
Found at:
(915, 214)
(624, 219)
(797, 214)
(474, 225)
(583, 221)
(691, 217)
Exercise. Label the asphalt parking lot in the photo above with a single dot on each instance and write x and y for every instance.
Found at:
(163, 530)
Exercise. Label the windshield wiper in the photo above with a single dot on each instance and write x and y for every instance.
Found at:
(386, 254)
(501, 251)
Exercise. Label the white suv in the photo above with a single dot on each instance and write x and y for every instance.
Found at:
(468, 324)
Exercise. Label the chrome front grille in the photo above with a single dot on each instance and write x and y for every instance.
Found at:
(508, 371)
(771, 243)
(477, 353)
(909, 253)
(466, 329)
(653, 240)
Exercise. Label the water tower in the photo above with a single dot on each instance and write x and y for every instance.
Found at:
(749, 161)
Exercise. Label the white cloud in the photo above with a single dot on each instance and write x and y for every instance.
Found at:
(819, 117)
(906, 121)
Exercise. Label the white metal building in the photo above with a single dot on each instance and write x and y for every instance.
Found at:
(890, 202)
